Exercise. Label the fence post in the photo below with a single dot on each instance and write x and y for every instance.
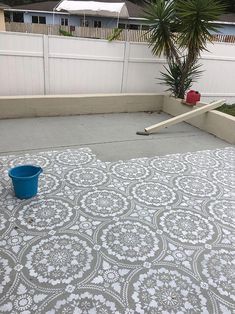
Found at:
(125, 67)
(46, 64)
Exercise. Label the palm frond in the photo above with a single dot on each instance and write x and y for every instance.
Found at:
(162, 23)
(115, 35)
(196, 23)
(181, 29)
(172, 78)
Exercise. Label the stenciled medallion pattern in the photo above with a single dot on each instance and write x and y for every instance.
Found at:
(148, 235)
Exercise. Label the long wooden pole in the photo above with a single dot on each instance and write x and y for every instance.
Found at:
(185, 116)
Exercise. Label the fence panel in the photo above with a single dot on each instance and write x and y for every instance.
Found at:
(85, 65)
(47, 64)
(21, 64)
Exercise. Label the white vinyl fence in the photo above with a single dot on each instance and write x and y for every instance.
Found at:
(35, 64)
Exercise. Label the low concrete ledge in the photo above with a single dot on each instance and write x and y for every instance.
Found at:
(215, 122)
(64, 105)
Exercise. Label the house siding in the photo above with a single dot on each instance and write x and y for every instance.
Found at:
(224, 29)
(227, 30)
(75, 20)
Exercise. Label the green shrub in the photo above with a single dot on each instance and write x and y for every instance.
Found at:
(65, 33)
(229, 109)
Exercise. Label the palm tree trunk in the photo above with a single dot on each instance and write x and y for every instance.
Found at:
(190, 61)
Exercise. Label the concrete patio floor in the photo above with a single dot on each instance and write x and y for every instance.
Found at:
(110, 136)
(147, 235)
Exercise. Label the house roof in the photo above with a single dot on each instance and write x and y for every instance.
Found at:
(229, 18)
(4, 6)
(134, 10)
(38, 6)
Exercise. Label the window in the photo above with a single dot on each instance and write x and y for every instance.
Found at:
(97, 24)
(35, 19)
(42, 20)
(7, 16)
(38, 19)
(122, 25)
(84, 23)
(134, 26)
(144, 27)
(64, 21)
(18, 17)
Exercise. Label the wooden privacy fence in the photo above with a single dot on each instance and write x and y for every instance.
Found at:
(77, 31)
(92, 32)
(224, 38)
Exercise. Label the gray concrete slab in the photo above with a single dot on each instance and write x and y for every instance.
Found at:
(110, 136)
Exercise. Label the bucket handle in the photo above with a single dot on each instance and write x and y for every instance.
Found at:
(40, 170)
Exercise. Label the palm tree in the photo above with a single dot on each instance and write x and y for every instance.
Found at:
(180, 30)
(230, 5)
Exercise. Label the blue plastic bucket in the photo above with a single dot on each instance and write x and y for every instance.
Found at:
(25, 180)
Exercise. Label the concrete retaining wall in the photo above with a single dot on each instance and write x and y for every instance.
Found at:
(214, 122)
(64, 105)
(220, 124)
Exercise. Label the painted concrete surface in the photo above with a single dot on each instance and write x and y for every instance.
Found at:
(110, 136)
(109, 231)
(144, 236)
